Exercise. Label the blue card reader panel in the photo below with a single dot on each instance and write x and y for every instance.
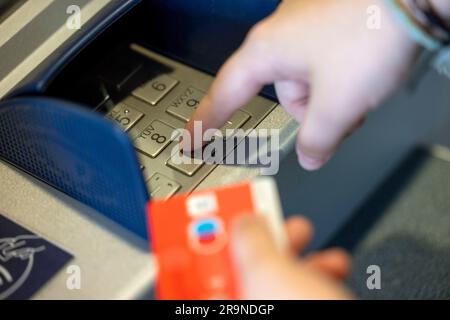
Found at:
(79, 153)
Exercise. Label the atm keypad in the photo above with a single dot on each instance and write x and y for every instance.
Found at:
(162, 98)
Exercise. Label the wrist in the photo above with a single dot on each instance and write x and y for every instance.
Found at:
(424, 22)
(433, 15)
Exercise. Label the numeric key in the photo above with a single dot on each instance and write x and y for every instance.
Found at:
(125, 116)
(156, 89)
(184, 106)
(155, 138)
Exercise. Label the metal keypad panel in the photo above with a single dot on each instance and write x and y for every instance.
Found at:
(164, 102)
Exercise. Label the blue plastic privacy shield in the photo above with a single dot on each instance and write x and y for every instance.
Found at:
(79, 153)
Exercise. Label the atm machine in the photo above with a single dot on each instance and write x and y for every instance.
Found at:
(77, 107)
(75, 172)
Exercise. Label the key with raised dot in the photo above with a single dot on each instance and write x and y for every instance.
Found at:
(125, 116)
(162, 187)
(237, 120)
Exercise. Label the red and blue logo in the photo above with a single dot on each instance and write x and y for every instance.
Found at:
(207, 235)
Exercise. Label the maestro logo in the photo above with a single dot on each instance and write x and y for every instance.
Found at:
(207, 236)
(16, 261)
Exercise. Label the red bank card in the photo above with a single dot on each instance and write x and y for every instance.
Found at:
(190, 236)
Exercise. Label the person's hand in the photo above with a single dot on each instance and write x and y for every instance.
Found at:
(266, 273)
(328, 67)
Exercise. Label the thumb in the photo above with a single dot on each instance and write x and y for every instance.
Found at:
(252, 245)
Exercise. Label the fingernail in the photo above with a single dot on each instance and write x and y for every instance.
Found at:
(311, 163)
